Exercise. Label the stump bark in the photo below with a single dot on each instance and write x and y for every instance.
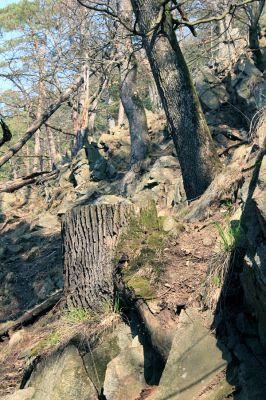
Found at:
(89, 235)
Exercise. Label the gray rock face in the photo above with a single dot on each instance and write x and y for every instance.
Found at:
(62, 377)
(248, 87)
(211, 90)
(124, 378)
(193, 362)
(162, 184)
(97, 360)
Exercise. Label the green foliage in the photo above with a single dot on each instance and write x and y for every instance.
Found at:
(230, 235)
(77, 315)
(110, 306)
(53, 339)
(15, 15)
(141, 286)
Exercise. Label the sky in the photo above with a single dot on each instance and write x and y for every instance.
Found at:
(4, 3)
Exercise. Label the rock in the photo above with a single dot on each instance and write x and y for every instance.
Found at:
(207, 242)
(23, 394)
(194, 360)
(169, 224)
(259, 196)
(124, 377)
(162, 184)
(49, 221)
(62, 376)
(211, 90)
(80, 168)
(15, 249)
(248, 87)
(111, 199)
(98, 359)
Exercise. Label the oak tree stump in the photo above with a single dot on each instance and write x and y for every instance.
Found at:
(89, 235)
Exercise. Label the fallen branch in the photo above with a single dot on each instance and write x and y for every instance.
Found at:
(234, 146)
(31, 315)
(40, 121)
(12, 186)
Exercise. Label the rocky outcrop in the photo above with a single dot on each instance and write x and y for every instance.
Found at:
(248, 87)
(62, 376)
(194, 360)
(162, 184)
(124, 378)
(211, 90)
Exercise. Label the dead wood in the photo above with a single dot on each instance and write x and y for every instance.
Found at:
(12, 186)
(40, 121)
(31, 315)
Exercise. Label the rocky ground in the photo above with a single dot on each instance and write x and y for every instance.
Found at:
(203, 281)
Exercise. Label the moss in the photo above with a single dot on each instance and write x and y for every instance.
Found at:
(53, 339)
(141, 286)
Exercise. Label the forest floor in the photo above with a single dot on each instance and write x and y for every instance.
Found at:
(180, 284)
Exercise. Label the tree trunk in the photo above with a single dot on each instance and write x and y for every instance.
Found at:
(37, 151)
(254, 45)
(90, 234)
(51, 146)
(134, 111)
(121, 114)
(131, 101)
(195, 149)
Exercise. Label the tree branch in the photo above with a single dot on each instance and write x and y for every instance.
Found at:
(40, 121)
(230, 10)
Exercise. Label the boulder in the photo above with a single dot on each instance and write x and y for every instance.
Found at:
(194, 360)
(62, 376)
(248, 87)
(162, 183)
(211, 90)
(80, 168)
(97, 360)
(124, 378)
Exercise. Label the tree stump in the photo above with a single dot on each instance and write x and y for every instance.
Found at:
(90, 234)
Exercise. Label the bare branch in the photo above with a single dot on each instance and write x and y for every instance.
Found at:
(40, 121)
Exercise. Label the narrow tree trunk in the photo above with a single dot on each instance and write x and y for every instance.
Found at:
(155, 98)
(37, 151)
(52, 146)
(90, 234)
(121, 114)
(134, 111)
(254, 45)
(195, 149)
(131, 101)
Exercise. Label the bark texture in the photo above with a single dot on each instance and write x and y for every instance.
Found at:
(129, 96)
(90, 234)
(195, 149)
(134, 110)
